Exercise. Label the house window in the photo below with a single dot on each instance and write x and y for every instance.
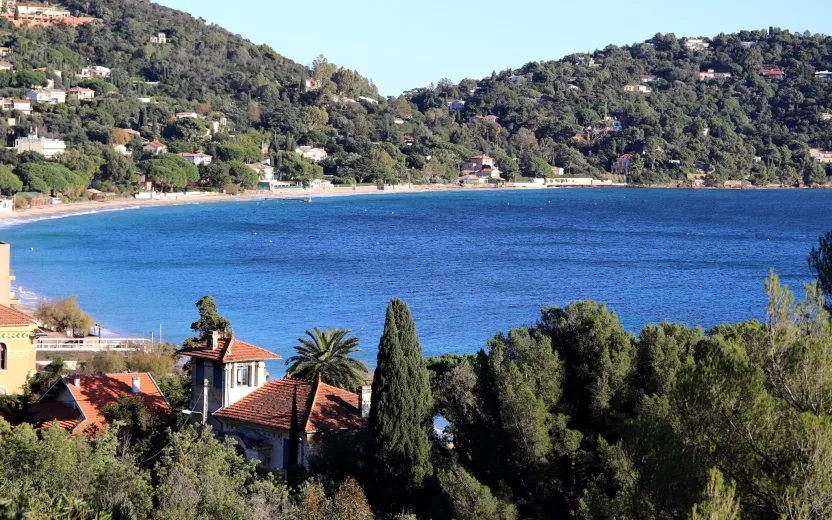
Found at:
(199, 371)
(217, 375)
(243, 374)
(3, 356)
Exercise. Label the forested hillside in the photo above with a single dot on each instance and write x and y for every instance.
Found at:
(255, 105)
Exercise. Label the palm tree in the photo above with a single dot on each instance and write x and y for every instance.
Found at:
(326, 354)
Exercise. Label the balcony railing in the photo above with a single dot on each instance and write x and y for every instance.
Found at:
(93, 344)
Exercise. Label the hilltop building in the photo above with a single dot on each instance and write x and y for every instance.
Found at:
(38, 10)
(17, 333)
(695, 44)
(42, 145)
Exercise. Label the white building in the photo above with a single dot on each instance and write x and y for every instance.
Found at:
(197, 159)
(368, 100)
(42, 145)
(695, 44)
(455, 104)
(96, 71)
(161, 38)
(21, 105)
(309, 152)
(710, 74)
(6, 205)
(39, 10)
(264, 171)
(639, 89)
(187, 115)
(47, 95)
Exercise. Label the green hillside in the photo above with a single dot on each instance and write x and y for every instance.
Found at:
(572, 113)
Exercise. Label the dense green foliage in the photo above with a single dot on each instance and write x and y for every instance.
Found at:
(253, 104)
(325, 354)
(400, 413)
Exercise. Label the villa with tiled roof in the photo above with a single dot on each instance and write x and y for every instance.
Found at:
(231, 391)
(78, 403)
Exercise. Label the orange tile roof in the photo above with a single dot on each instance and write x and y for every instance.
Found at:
(10, 317)
(321, 406)
(93, 395)
(229, 351)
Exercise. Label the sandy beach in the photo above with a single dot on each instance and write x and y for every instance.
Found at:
(89, 206)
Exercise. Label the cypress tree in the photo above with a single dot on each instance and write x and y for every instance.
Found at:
(400, 413)
(294, 442)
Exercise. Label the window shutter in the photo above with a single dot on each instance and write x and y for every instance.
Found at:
(199, 371)
(217, 375)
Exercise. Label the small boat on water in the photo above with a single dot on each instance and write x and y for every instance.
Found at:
(307, 200)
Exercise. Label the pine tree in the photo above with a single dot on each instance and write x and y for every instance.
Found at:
(400, 413)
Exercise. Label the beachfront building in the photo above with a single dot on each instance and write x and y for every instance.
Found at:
(821, 155)
(81, 94)
(311, 152)
(77, 403)
(480, 166)
(622, 164)
(42, 145)
(264, 171)
(197, 159)
(17, 333)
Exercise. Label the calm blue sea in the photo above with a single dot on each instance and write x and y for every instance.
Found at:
(469, 264)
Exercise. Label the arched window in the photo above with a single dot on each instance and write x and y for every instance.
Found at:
(4, 354)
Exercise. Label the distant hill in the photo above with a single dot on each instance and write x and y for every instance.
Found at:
(251, 104)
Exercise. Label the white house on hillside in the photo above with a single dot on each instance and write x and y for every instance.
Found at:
(309, 152)
(42, 145)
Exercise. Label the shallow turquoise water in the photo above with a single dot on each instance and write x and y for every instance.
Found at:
(469, 264)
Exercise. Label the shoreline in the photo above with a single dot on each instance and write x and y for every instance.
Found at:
(91, 207)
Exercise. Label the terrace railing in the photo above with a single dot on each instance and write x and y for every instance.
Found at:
(92, 344)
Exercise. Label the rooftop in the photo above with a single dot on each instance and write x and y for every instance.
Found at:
(10, 317)
(230, 350)
(321, 407)
(91, 396)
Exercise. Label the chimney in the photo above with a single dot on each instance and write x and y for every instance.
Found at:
(77, 381)
(137, 385)
(215, 339)
(365, 395)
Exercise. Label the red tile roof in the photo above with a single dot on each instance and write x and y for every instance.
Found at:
(230, 350)
(321, 406)
(10, 317)
(92, 396)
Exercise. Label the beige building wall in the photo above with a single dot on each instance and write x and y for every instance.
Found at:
(7, 298)
(20, 357)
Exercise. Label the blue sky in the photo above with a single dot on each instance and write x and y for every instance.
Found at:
(402, 45)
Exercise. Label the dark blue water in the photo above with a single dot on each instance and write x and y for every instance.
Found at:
(469, 264)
